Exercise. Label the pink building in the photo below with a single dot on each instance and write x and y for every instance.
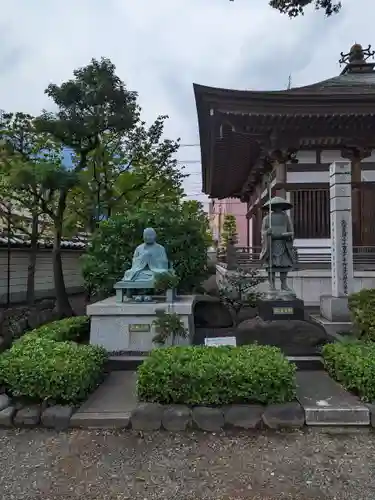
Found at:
(217, 211)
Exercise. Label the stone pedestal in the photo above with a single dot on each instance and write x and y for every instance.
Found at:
(334, 308)
(128, 327)
(281, 309)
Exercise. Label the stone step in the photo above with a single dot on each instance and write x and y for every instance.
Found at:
(310, 363)
(124, 362)
(131, 362)
(326, 403)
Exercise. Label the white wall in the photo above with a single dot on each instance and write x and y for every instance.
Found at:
(310, 284)
(44, 285)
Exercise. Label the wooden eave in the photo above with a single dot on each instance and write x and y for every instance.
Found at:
(230, 121)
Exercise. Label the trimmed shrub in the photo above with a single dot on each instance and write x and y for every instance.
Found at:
(362, 308)
(353, 365)
(40, 368)
(216, 376)
(76, 328)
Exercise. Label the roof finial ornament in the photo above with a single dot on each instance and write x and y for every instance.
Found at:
(356, 59)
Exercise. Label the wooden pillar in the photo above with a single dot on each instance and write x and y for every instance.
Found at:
(280, 175)
(356, 155)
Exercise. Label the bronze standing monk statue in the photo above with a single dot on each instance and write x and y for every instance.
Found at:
(277, 253)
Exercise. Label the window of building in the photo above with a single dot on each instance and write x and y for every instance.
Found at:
(311, 216)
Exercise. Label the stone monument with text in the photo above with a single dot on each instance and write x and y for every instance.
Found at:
(334, 307)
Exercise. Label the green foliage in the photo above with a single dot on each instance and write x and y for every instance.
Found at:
(94, 102)
(229, 233)
(168, 324)
(182, 229)
(76, 329)
(46, 363)
(353, 365)
(39, 369)
(216, 376)
(166, 281)
(362, 308)
(294, 8)
(239, 289)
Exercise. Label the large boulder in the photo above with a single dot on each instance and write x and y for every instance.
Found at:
(293, 337)
(210, 286)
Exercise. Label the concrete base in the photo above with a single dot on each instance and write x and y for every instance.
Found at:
(332, 328)
(327, 403)
(335, 309)
(128, 327)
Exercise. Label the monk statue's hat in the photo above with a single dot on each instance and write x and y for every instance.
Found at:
(278, 202)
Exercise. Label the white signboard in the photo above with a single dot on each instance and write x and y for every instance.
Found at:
(218, 341)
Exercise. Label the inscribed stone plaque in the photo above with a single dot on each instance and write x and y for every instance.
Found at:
(283, 310)
(139, 328)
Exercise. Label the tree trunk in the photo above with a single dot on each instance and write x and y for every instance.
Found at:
(31, 268)
(63, 307)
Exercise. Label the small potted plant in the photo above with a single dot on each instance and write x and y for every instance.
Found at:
(168, 324)
(167, 282)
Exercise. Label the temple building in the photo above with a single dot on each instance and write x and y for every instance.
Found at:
(288, 139)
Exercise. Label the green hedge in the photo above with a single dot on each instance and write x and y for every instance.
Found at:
(353, 365)
(76, 328)
(362, 308)
(46, 364)
(216, 376)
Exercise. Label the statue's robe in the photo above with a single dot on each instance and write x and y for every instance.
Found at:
(148, 262)
(280, 248)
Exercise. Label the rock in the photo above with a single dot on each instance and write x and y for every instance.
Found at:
(247, 313)
(281, 416)
(19, 327)
(34, 319)
(6, 416)
(147, 417)
(293, 337)
(212, 314)
(5, 401)
(244, 416)
(210, 286)
(208, 419)
(176, 418)
(57, 417)
(46, 304)
(28, 416)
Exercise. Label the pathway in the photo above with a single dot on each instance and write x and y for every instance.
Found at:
(120, 465)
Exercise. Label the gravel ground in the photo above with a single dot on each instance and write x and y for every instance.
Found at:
(109, 465)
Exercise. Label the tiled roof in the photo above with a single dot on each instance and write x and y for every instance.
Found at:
(78, 242)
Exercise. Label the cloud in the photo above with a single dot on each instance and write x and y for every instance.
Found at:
(160, 47)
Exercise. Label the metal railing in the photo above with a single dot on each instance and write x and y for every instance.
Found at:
(308, 257)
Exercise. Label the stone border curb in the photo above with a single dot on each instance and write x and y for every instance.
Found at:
(153, 417)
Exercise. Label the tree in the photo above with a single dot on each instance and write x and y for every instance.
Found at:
(136, 167)
(229, 233)
(294, 8)
(182, 229)
(240, 289)
(94, 103)
(22, 145)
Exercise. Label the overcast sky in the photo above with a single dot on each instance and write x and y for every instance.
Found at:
(160, 47)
